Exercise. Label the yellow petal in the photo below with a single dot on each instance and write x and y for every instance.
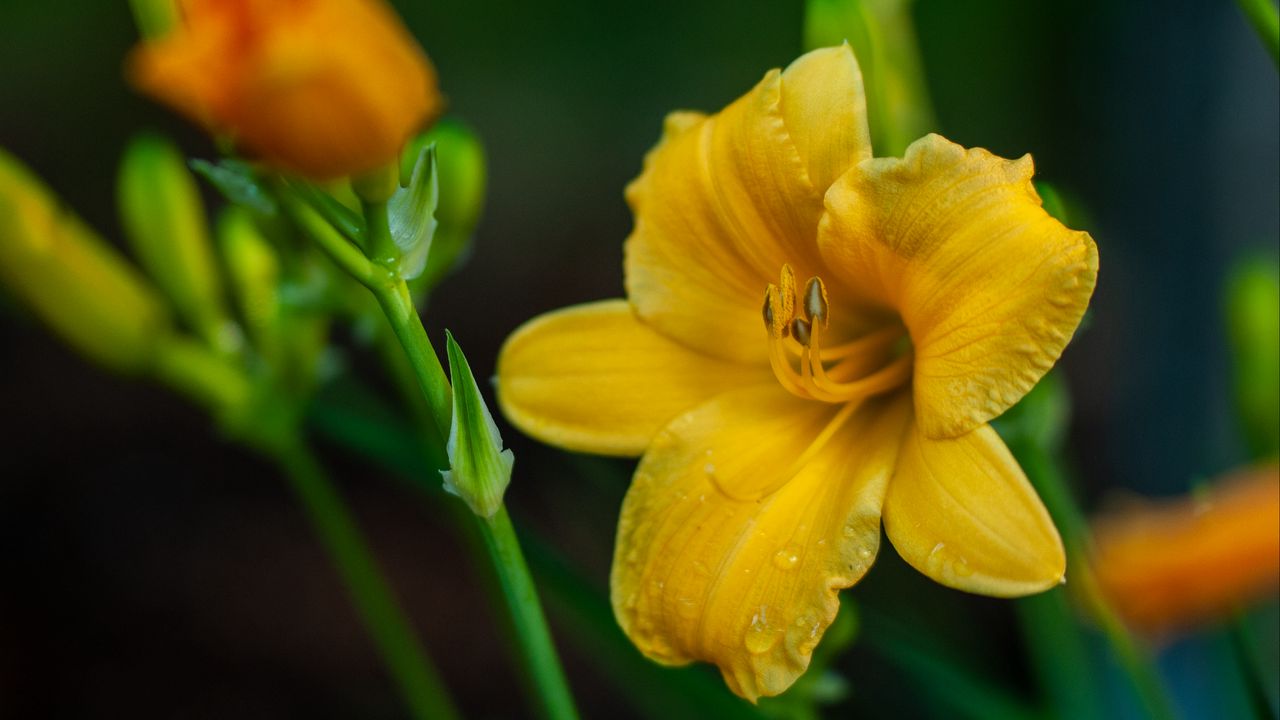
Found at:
(961, 511)
(702, 571)
(724, 201)
(990, 287)
(595, 379)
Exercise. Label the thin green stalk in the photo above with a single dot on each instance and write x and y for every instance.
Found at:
(373, 597)
(397, 305)
(378, 230)
(530, 624)
(1051, 483)
(1265, 19)
(1246, 656)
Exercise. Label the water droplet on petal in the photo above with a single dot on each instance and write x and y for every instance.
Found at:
(786, 559)
(761, 636)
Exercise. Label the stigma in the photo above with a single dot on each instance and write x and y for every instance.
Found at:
(797, 321)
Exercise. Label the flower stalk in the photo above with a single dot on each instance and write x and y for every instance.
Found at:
(379, 272)
(391, 630)
(542, 664)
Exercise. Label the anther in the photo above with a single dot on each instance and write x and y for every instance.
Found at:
(787, 292)
(800, 329)
(776, 317)
(815, 301)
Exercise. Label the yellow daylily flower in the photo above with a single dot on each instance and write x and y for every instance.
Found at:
(936, 291)
(325, 88)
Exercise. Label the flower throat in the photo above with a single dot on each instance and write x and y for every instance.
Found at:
(844, 373)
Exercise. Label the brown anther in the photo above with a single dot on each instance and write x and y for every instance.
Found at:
(800, 329)
(776, 320)
(815, 301)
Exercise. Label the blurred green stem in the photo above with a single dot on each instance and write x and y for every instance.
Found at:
(373, 597)
(1051, 483)
(1265, 19)
(530, 624)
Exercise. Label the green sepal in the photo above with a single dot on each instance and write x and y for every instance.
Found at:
(411, 214)
(480, 469)
(1253, 320)
(165, 223)
(460, 165)
(73, 280)
(238, 183)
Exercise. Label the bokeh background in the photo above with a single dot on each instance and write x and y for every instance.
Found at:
(150, 569)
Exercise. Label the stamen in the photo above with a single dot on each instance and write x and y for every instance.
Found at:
(815, 301)
(783, 371)
(850, 378)
(874, 340)
(787, 291)
(800, 330)
(777, 313)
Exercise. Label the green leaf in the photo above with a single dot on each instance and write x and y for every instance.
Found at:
(479, 469)
(237, 183)
(411, 214)
(165, 223)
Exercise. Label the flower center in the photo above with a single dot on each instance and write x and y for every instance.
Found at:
(847, 372)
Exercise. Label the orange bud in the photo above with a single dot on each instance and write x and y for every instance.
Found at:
(324, 88)
(1190, 560)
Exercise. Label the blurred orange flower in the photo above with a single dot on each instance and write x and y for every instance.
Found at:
(325, 88)
(1175, 563)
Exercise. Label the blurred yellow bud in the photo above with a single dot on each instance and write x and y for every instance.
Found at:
(324, 88)
(76, 283)
(165, 223)
(255, 277)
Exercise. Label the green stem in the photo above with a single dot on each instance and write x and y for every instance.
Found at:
(530, 624)
(202, 375)
(1246, 655)
(397, 305)
(373, 597)
(1050, 481)
(378, 231)
(1265, 19)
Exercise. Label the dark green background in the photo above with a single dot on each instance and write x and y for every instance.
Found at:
(148, 569)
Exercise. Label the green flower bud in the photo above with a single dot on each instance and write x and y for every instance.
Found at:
(254, 271)
(460, 168)
(412, 215)
(165, 223)
(1253, 319)
(479, 469)
(75, 282)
